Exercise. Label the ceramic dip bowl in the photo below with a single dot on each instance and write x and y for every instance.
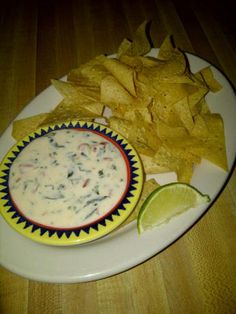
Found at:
(69, 183)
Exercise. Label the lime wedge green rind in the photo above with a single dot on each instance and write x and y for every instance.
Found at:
(168, 201)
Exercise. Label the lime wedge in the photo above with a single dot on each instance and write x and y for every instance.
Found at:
(166, 202)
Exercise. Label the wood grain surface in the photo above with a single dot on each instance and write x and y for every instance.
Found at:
(40, 40)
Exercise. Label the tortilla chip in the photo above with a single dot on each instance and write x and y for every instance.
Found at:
(194, 100)
(148, 61)
(200, 128)
(140, 44)
(183, 111)
(183, 78)
(166, 49)
(123, 127)
(117, 110)
(92, 106)
(112, 92)
(143, 137)
(165, 131)
(64, 112)
(123, 73)
(171, 93)
(214, 144)
(166, 70)
(75, 91)
(203, 105)
(167, 94)
(134, 62)
(124, 48)
(182, 167)
(130, 114)
(144, 131)
(174, 66)
(210, 81)
(23, 127)
(145, 94)
(90, 73)
(151, 166)
(184, 171)
(186, 148)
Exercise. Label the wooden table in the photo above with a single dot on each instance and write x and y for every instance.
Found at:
(40, 41)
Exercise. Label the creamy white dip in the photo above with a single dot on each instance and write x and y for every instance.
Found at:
(68, 178)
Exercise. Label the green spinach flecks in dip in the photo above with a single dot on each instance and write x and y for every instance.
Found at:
(68, 178)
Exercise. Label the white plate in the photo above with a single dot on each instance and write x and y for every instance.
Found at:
(124, 248)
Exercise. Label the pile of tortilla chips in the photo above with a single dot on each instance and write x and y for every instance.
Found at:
(156, 103)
